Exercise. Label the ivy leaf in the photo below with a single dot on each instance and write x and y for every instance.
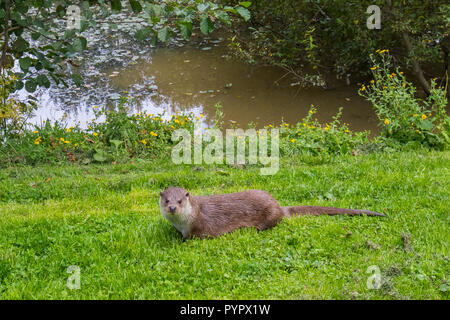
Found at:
(244, 13)
(206, 26)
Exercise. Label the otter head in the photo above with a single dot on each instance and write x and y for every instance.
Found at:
(176, 207)
(173, 200)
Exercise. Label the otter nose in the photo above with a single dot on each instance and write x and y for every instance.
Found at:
(172, 208)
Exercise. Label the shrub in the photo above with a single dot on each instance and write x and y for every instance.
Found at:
(402, 116)
(309, 136)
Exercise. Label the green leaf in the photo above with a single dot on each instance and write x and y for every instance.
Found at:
(136, 6)
(116, 5)
(100, 156)
(19, 85)
(244, 13)
(201, 7)
(43, 81)
(25, 63)
(206, 26)
(185, 29)
(79, 44)
(245, 4)
(425, 125)
(77, 79)
(116, 143)
(164, 34)
(35, 35)
(20, 45)
(143, 33)
(223, 16)
(30, 85)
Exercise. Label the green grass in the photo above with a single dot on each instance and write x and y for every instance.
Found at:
(106, 220)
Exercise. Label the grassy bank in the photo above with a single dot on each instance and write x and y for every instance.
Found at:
(105, 219)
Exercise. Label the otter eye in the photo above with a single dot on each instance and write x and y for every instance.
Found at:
(167, 200)
(179, 201)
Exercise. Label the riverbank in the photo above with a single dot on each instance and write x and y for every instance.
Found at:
(105, 219)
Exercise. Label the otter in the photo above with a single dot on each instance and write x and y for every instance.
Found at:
(212, 216)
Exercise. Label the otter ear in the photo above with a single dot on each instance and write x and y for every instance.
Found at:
(187, 194)
(160, 194)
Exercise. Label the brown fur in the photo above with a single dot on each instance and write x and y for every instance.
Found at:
(214, 215)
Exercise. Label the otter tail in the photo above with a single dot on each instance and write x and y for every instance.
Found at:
(315, 211)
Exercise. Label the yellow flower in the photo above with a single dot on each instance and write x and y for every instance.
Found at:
(326, 128)
(153, 134)
(386, 121)
(293, 140)
(144, 142)
(95, 134)
(177, 121)
(424, 117)
(372, 81)
(373, 68)
(363, 88)
(37, 140)
(76, 144)
(36, 131)
(68, 130)
(65, 141)
(62, 139)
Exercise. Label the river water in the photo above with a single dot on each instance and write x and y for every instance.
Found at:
(190, 77)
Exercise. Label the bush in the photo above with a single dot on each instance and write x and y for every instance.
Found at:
(113, 135)
(309, 136)
(402, 116)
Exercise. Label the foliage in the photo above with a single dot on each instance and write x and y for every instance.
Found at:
(331, 36)
(309, 136)
(402, 116)
(113, 136)
(43, 62)
(13, 114)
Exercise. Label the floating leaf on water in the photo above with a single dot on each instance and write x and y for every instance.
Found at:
(206, 48)
(228, 85)
(188, 93)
